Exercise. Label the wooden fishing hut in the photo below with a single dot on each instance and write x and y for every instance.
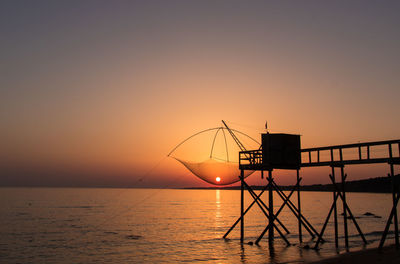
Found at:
(277, 151)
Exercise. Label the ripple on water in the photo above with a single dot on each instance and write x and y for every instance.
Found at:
(133, 237)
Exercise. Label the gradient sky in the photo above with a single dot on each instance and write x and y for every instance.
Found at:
(96, 93)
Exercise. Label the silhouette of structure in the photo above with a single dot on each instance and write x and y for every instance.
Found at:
(282, 151)
(359, 153)
(278, 151)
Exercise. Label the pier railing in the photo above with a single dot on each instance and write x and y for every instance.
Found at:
(338, 155)
(250, 160)
(358, 153)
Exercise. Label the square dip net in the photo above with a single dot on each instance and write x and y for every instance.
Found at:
(213, 154)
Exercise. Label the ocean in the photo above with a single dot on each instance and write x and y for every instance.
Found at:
(78, 225)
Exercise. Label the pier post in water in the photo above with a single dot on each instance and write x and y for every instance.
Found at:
(335, 220)
(241, 206)
(270, 208)
(395, 222)
(346, 232)
(299, 206)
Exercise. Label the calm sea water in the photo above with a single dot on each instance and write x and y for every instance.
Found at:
(52, 225)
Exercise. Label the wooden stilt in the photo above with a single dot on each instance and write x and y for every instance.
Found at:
(392, 212)
(347, 208)
(326, 222)
(395, 222)
(335, 220)
(299, 204)
(245, 212)
(294, 210)
(346, 231)
(277, 214)
(241, 206)
(263, 206)
(271, 208)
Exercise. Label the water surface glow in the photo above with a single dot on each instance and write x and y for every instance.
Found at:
(162, 226)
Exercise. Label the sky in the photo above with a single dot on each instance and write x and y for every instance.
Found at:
(96, 93)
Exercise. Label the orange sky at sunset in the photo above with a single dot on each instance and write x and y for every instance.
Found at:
(96, 93)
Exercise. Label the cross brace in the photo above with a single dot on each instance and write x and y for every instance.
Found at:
(346, 209)
(267, 212)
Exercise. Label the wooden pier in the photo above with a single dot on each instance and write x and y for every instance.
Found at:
(282, 151)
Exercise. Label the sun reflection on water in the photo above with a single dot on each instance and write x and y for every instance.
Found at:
(218, 215)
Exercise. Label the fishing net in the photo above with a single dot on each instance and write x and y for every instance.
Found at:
(213, 155)
(214, 171)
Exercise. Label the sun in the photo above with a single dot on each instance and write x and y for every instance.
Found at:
(218, 179)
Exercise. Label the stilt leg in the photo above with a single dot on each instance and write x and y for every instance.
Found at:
(392, 212)
(241, 206)
(299, 206)
(326, 222)
(245, 212)
(271, 209)
(346, 231)
(395, 220)
(293, 208)
(335, 220)
(347, 208)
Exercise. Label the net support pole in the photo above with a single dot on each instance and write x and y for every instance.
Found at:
(241, 206)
